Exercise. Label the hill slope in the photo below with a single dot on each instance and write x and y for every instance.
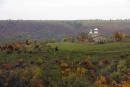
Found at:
(23, 29)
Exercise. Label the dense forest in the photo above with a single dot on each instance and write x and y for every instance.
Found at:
(11, 30)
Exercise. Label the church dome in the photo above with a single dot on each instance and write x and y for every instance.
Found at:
(96, 29)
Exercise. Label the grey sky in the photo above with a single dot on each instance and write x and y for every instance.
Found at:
(64, 9)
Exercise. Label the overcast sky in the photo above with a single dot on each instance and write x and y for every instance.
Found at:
(64, 9)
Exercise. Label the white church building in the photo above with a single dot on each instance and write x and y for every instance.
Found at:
(96, 36)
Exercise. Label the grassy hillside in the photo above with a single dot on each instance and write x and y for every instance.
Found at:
(73, 65)
(109, 47)
(78, 51)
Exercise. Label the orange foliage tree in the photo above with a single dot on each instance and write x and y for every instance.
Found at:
(118, 36)
(101, 82)
(124, 84)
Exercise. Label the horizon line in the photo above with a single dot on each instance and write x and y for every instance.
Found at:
(58, 19)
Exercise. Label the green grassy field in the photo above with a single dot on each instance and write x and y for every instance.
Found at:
(109, 47)
(78, 51)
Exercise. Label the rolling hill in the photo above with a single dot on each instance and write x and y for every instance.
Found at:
(37, 29)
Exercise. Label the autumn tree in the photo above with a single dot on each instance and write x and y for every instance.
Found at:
(82, 37)
(119, 36)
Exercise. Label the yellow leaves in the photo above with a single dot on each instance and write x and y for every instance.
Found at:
(36, 72)
(119, 36)
(65, 72)
(101, 82)
(33, 71)
(114, 84)
(81, 71)
(125, 84)
(17, 45)
(64, 67)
